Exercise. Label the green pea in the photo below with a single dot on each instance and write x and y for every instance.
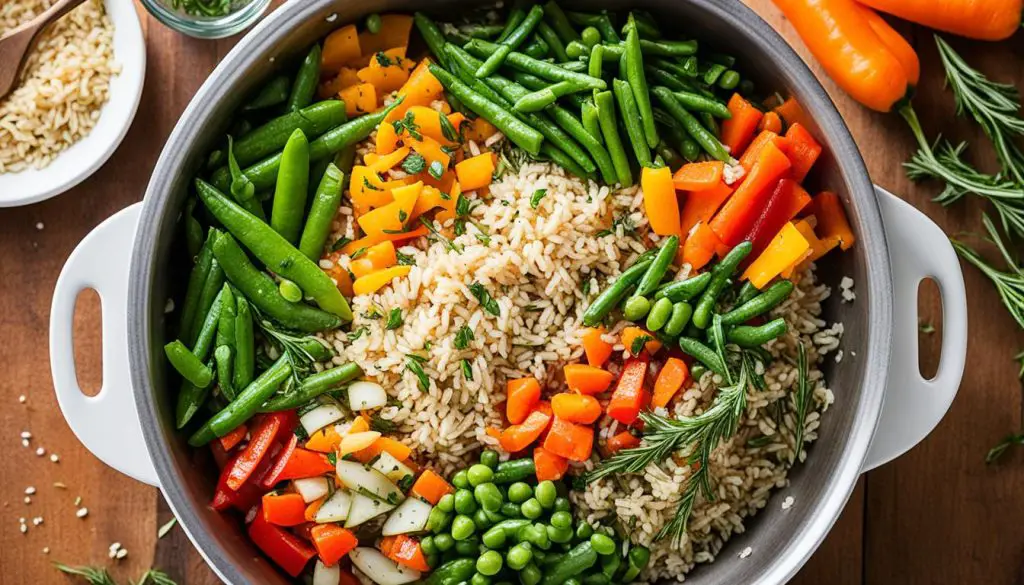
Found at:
(290, 291)
(584, 530)
(489, 496)
(464, 502)
(444, 542)
(446, 503)
(373, 23)
(461, 479)
(519, 556)
(481, 520)
(462, 527)
(561, 520)
(493, 538)
(660, 313)
(489, 458)
(438, 520)
(559, 535)
(489, 563)
(590, 36)
(538, 555)
(480, 579)
(532, 509)
(468, 548)
(530, 575)
(519, 492)
(546, 493)
(603, 545)
(428, 546)
(510, 510)
(480, 474)
(729, 80)
(536, 535)
(562, 504)
(636, 308)
(681, 313)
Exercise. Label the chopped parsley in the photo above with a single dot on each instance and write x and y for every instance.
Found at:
(373, 314)
(537, 196)
(402, 215)
(437, 236)
(627, 227)
(370, 186)
(383, 60)
(412, 363)
(340, 243)
(436, 169)
(414, 163)
(448, 129)
(639, 343)
(463, 336)
(394, 319)
(332, 458)
(357, 333)
(408, 125)
(405, 259)
(406, 482)
(382, 425)
(484, 298)
(467, 370)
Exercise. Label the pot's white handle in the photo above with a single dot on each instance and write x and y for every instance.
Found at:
(108, 423)
(918, 249)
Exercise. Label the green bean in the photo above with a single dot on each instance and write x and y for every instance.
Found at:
(638, 558)
(452, 572)
(684, 290)
(242, 189)
(698, 103)
(606, 115)
(611, 296)
(481, 49)
(432, 36)
(554, 42)
(666, 78)
(538, 100)
(245, 405)
(659, 267)
(709, 123)
(196, 281)
(748, 337)
(275, 92)
(634, 72)
(264, 173)
(559, 22)
(261, 291)
(513, 39)
(306, 80)
(536, 48)
(314, 385)
(193, 230)
(515, 17)
(223, 357)
(747, 292)
(708, 142)
(636, 308)
(720, 274)
(315, 348)
(190, 396)
(210, 291)
(516, 130)
(677, 321)
(631, 120)
(275, 252)
(572, 125)
(704, 354)
(576, 561)
(514, 470)
(271, 137)
(760, 304)
(245, 352)
(593, 126)
(292, 187)
(326, 202)
(660, 313)
(599, 21)
(188, 365)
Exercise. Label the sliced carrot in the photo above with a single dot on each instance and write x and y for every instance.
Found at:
(340, 47)
(359, 99)
(738, 130)
(623, 440)
(771, 122)
(791, 112)
(393, 447)
(629, 397)
(333, 542)
(699, 176)
(475, 172)
(802, 149)
(754, 150)
(631, 335)
(371, 283)
(284, 509)
(572, 441)
(234, 437)
(832, 222)
(518, 437)
(431, 487)
(597, 349)
(699, 248)
(670, 379)
(785, 249)
(577, 408)
(740, 212)
(660, 200)
(587, 379)
(548, 465)
(700, 206)
(522, 396)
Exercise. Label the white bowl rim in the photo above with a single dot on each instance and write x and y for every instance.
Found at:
(86, 156)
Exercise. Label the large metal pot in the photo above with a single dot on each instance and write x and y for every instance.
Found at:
(883, 406)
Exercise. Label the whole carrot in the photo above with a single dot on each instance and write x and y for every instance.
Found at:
(843, 39)
(987, 20)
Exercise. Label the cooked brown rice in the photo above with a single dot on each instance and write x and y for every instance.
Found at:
(66, 82)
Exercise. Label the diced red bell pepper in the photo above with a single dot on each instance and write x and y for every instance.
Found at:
(272, 476)
(263, 437)
(333, 542)
(244, 498)
(296, 463)
(787, 199)
(288, 551)
(630, 396)
(404, 550)
(284, 509)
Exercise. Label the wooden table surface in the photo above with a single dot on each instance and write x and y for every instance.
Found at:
(937, 515)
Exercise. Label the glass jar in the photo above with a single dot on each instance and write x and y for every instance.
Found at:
(243, 14)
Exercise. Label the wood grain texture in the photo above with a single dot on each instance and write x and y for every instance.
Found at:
(936, 515)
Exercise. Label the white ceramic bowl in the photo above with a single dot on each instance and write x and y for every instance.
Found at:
(83, 158)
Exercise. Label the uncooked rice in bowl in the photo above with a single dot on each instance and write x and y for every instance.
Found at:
(65, 83)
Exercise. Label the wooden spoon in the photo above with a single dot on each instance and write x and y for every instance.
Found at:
(15, 45)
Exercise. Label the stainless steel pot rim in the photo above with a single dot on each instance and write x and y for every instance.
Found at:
(264, 41)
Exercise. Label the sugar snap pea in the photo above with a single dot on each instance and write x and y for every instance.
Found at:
(698, 103)
(271, 137)
(275, 92)
(194, 237)
(196, 280)
(610, 297)
(273, 250)
(211, 288)
(482, 49)
(609, 129)
(306, 80)
(326, 202)
(226, 338)
(292, 188)
(261, 290)
(747, 336)
(513, 39)
(245, 345)
(554, 14)
(576, 561)
(634, 72)
(656, 272)
(190, 396)
(720, 275)
(223, 357)
(684, 290)
(704, 354)
(514, 470)
(759, 305)
(245, 405)
(515, 17)
(592, 124)
(554, 42)
(242, 189)
(188, 365)
(312, 386)
(452, 572)
(680, 317)
(631, 119)
(693, 127)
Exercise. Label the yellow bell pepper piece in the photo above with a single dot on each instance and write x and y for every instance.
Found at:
(476, 172)
(340, 48)
(386, 71)
(359, 99)
(394, 32)
(373, 282)
(431, 150)
(660, 200)
(392, 217)
(388, 161)
(421, 89)
(787, 247)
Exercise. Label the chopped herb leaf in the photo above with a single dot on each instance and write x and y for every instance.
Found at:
(445, 196)
(436, 169)
(381, 425)
(167, 527)
(464, 205)
(402, 215)
(383, 60)
(484, 298)
(405, 259)
(448, 129)
(437, 236)
(332, 458)
(413, 365)
(368, 185)
(394, 319)
(414, 163)
(358, 253)
(406, 482)
(357, 333)
(537, 196)
(639, 343)
(467, 370)
(463, 336)
(408, 125)
(340, 243)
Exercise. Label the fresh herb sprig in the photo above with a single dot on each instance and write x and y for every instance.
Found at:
(802, 400)
(1008, 282)
(289, 344)
(100, 576)
(204, 8)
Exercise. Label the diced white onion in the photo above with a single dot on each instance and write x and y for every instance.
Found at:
(392, 468)
(364, 509)
(311, 488)
(320, 417)
(381, 569)
(373, 483)
(337, 508)
(364, 395)
(324, 575)
(409, 516)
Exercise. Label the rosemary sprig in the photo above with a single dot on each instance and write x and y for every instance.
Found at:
(994, 106)
(289, 344)
(999, 450)
(100, 576)
(1009, 283)
(801, 400)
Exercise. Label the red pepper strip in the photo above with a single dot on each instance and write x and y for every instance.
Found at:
(259, 444)
(288, 551)
(629, 396)
(274, 475)
(243, 499)
(786, 200)
(304, 463)
(233, 438)
(406, 551)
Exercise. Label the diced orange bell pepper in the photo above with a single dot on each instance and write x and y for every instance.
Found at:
(394, 32)
(549, 466)
(699, 248)
(700, 206)
(791, 112)
(740, 212)
(699, 176)
(802, 149)
(832, 222)
(333, 542)
(480, 130)
(359, 99)
(623, 440)
(577, 408)
(385, 71)
(404, 550)
(595, 347)
(754, 150)
(587, 379)
(772, 122)
(388, 161)
(393, 447)
(739, 129)
(475, 172)
(391, 218)
(340, 47)
(431, 487)
(522, 395)
(325, 440)
(572, 441)
(367, 241)
(630, 335)
(284, 509)
(233, 438)
(332, 87)
(421, 89)
(431, 150)
(660, 200)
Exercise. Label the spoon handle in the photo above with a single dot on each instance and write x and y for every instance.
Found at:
(57, 10)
